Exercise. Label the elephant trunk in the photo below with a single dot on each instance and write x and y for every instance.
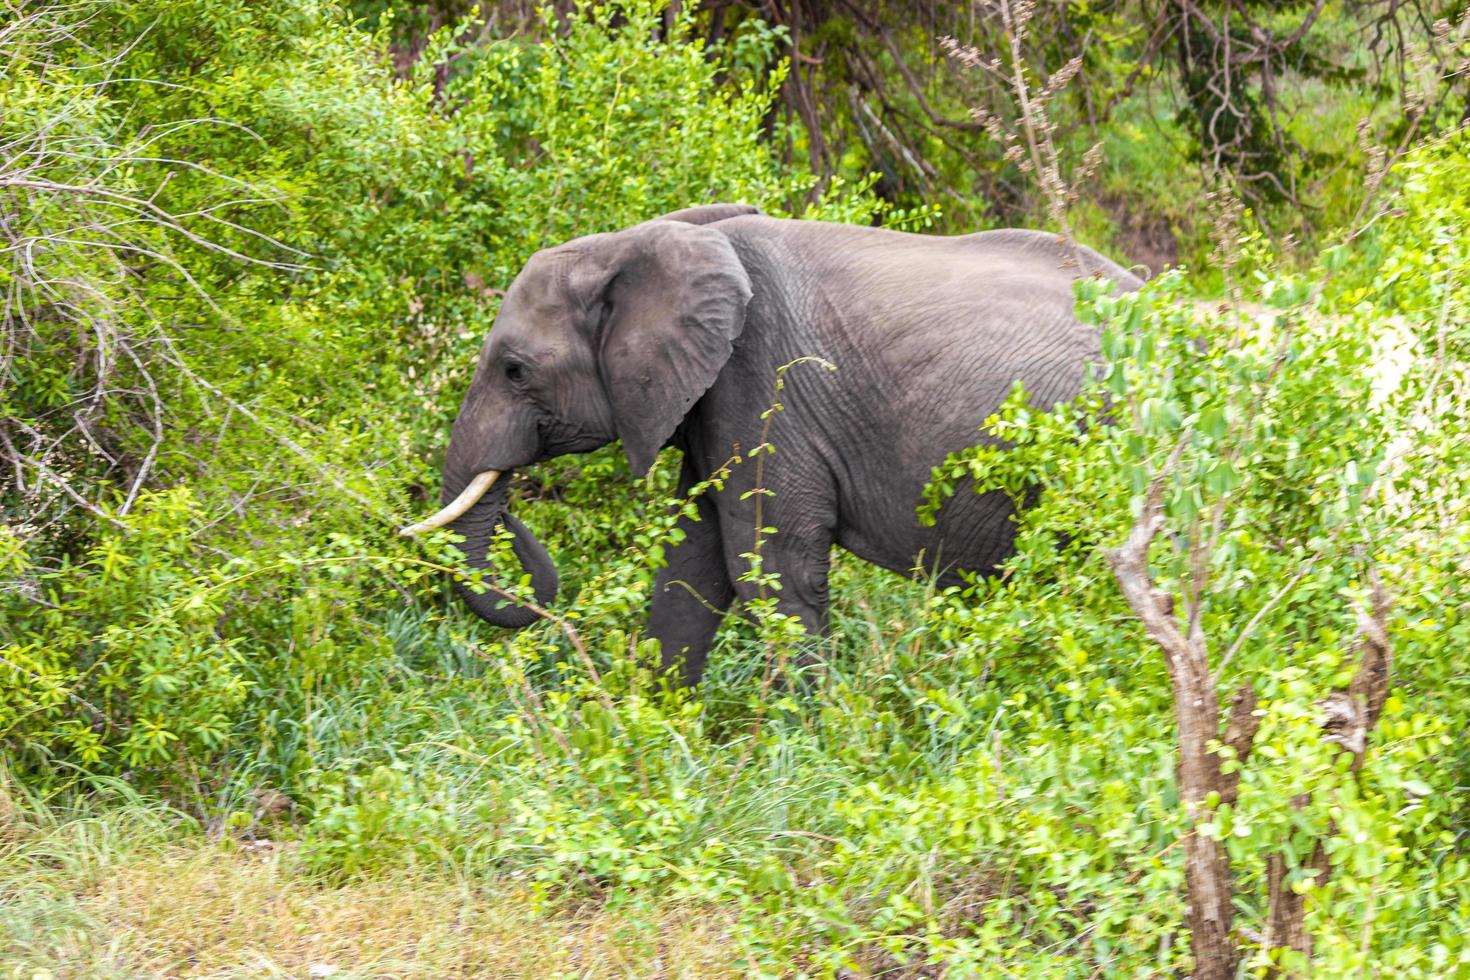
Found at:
(478, 525)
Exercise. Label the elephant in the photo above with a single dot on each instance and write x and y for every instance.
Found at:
(671, 333)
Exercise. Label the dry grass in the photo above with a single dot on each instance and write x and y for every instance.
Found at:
(71, 905)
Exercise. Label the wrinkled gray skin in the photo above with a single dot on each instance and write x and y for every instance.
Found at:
(671, 333)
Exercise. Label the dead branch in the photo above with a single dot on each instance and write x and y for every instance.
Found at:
(1197, 717)
(1348, 716)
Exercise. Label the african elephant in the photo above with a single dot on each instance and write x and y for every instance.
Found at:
(671, 332)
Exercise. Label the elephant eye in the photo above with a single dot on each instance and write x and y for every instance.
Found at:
(514, 373)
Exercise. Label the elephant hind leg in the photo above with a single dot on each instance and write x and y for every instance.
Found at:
(801, 572)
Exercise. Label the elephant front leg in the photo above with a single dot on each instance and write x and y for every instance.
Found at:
(795, 561)
(690, 596)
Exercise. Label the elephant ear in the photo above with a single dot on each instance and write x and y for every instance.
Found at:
(673, 307)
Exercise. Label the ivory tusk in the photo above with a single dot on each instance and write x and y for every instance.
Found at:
(456, 507)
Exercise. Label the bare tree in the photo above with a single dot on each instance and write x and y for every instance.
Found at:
(86, 237)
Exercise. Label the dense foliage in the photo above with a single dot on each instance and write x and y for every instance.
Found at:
(1274, 96)
(249, 253)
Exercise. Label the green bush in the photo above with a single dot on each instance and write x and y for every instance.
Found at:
(293, 400)
(973, 781)
(988, 779)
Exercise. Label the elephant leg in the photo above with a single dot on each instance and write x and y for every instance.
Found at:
(802, 572)
(799, 552)
(691, 594)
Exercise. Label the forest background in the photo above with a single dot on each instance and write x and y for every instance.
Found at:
(248, 253)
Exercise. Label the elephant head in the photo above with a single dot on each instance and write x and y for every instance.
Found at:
(612, 336)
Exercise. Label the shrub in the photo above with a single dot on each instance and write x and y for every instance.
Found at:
(302, 254)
